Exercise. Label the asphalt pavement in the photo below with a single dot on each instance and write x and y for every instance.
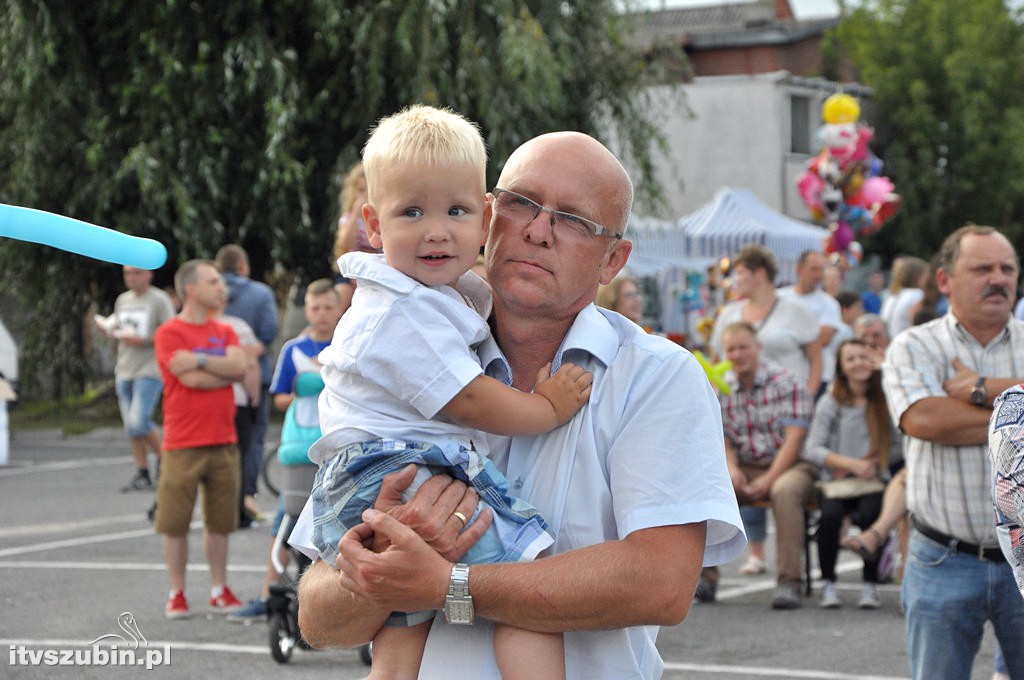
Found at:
(77, 556)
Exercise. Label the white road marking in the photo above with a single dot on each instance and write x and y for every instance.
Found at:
(60, 466)
(124, 566)
(749, 671)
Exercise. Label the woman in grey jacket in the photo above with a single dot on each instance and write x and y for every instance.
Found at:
(851, 438)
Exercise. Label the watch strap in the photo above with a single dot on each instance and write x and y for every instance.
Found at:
(458, 604)
(979, 394)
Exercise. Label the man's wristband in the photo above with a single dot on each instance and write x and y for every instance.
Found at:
(200, 360)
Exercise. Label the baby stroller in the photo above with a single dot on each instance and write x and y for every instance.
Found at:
(300, 430)
(283, 603)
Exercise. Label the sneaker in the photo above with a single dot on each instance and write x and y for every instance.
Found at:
(254, 610)
(177, 607)
(706, 590)
(226, 602)
(253, 509)
(830, 596)
(787, 596)
(244, 519)
(140, 482)
(869, 597)
(754, 566)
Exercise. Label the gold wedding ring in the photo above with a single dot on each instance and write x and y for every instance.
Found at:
(460, 516)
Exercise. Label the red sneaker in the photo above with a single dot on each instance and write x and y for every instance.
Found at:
(226, 602)
(177, 607)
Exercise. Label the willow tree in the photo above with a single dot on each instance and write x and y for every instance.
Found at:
(199, 124)
(948, 81)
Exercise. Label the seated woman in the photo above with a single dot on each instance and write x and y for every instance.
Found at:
(851, 437)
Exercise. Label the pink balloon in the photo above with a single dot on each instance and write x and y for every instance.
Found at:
(809, 186)
(875, 190)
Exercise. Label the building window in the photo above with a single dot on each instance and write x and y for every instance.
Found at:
(801, 136)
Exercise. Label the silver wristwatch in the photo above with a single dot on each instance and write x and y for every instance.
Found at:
(458, 605)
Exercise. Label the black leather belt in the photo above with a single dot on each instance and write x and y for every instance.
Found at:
(986, 554)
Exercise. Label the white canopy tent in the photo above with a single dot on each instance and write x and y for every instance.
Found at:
(671, 251)
(735, 218)
(659, 253)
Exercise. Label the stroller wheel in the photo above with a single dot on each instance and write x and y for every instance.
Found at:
(366, 654)
(282, 642)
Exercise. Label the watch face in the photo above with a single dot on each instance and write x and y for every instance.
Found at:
(459, 611)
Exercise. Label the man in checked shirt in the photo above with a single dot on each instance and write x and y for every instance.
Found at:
(940, 379)
(765, 416)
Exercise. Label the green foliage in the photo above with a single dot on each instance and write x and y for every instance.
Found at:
(948, 81)
(199, 124)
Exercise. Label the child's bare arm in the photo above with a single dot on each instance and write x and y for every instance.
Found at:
(282, 400)
(490, 405)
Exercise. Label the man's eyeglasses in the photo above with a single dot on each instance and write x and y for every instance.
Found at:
(519, 208)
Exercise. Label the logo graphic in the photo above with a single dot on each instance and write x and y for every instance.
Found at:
(127, 623)
(117, 650)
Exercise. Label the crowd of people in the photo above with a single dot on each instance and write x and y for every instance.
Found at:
(892, 446)
(457, 408)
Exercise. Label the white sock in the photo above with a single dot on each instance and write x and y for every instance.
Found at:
(216, 591)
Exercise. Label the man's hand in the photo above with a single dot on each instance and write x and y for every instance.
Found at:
(431, 512)
(567, 390)
(408, 576)
(760, 488)
(877, 357)
(739, 479)
(962, 383)
(182, 361)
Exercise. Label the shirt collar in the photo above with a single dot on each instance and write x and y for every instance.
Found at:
(955, 326)
(374, 267)
(592, 334)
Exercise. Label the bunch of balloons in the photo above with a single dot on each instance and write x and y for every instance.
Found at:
(842, 186)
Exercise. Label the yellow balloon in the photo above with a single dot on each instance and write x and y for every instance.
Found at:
(715, 372)
(840, 108)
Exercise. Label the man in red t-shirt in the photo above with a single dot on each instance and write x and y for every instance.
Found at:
(199, 358)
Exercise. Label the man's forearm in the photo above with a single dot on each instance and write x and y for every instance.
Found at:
(947, 421)
(996, 386)
(329, 616)
(789, 453)
(230, 366)
(199, 379)
(647, 578)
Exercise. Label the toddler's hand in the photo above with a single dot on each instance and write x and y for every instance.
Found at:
(567, 390)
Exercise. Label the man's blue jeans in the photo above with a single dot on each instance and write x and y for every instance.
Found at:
(137, 399)
(948, 596)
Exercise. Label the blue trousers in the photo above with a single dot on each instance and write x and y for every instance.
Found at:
(948, 597)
